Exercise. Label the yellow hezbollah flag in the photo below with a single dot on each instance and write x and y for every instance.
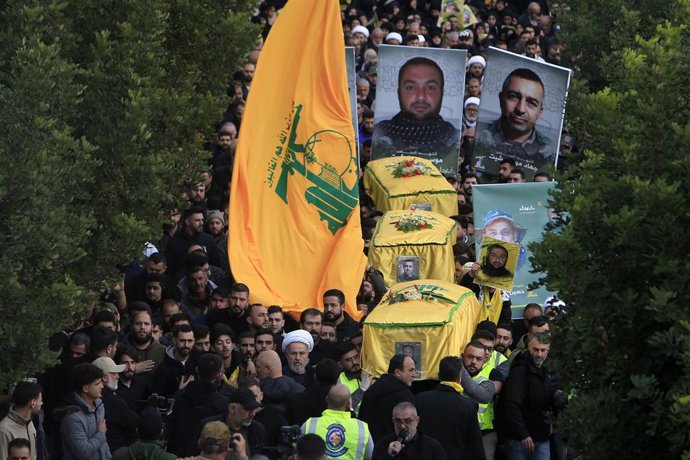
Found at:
(294, 214)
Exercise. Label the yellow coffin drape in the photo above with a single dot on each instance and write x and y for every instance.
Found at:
(433, 246)
(393, 186)
(294, 215)
(426, 318)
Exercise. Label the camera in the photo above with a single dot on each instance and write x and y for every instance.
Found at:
(163, 404)
(287, 443)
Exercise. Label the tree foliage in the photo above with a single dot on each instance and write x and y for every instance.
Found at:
(621, 260)
(104, 107)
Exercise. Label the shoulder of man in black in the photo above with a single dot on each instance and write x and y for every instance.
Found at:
(347, 329)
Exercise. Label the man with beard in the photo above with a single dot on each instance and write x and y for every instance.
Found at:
(177, 369)
(192, 233)
(536, 325)
(529, 395)
(239, 419)
(197, 294)
(407, 442)
(418, 127)
(514, 134)
(505, 167)
(474, 360)
(196, 193)
(131, 387)
(235, 315)
(363, 94)
(468, 181)
(366, 129)
(475, 67)
(202, 338)
(223, 149)
(135, 286)
(470, 115)
(493, 266)
(407, 272)
(351, 377)
(215, 222)
(334, 312)
(27, 401)
(296, 347)
(311, 320)
(151, 353)
(504, 338)
(257, 318)
(121, 419)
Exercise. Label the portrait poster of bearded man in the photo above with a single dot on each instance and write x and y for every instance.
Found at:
(497, 263)
(419, 104)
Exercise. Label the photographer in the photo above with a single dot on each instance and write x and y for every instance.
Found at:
(216, 443)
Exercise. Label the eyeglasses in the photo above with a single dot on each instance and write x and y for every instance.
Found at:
(404, 421)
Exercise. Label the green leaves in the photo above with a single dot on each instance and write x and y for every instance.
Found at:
(620, 262)
(104, 107)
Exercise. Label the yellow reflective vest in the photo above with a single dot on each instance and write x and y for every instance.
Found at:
(485, 413)
(355, 390)
(346, 438)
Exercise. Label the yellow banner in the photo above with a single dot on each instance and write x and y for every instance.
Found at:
(294, 203)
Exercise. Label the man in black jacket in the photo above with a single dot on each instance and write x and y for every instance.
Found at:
(121, 419)
(450, 417)
(191, 233)
(528, 395)
(380, 399)
(240, 419)
(407, 442)
(178, 366)
(197, 401)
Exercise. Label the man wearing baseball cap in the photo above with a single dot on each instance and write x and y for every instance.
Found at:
(121, 419)
(240, 423)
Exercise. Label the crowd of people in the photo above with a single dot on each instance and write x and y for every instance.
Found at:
(176, 362)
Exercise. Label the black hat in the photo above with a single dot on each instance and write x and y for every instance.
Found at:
(245, 398)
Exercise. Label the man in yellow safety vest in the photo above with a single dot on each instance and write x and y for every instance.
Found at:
(346, 438)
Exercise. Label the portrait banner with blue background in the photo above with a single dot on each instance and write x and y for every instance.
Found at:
(515, 213)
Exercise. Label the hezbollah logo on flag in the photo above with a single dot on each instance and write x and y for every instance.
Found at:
(294, 229)
(334, 186)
